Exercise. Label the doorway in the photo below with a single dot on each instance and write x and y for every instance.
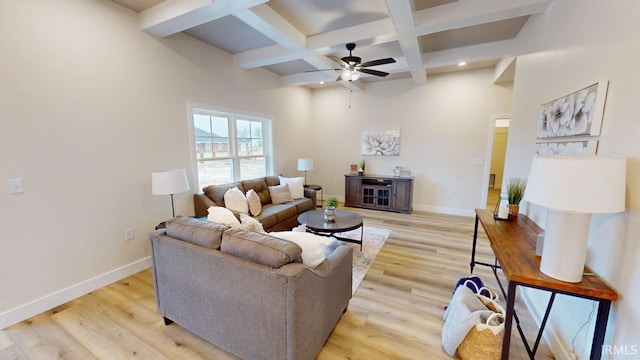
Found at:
(496, 153)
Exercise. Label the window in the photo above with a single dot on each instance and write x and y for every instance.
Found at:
(230, 147)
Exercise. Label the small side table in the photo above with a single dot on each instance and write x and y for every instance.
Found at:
(317, 188)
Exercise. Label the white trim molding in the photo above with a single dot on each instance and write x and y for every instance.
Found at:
(60, 297)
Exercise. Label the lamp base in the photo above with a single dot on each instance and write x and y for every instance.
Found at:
(565, 245)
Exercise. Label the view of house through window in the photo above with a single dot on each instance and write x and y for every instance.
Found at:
(230, 147)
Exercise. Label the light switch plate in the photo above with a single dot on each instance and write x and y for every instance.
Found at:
(16, 186)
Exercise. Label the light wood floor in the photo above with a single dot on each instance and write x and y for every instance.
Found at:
(396, 313)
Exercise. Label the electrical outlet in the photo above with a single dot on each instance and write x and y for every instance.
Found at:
(16, 186)
(128, 234)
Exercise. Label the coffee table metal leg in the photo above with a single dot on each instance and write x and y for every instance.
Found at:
(361, 236)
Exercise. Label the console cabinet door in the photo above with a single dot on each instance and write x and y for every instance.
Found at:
(352, 191)
(402, 194)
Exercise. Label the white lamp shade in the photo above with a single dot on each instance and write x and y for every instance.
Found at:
(584, 184)
(169, 182)
(305, 164)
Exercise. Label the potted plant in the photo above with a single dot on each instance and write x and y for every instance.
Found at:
(330, 205)
(362, 165)
(515, 191)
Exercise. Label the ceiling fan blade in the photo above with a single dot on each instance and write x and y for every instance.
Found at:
(374, 72)
(378, 62)
(321, 70)
(338, 60)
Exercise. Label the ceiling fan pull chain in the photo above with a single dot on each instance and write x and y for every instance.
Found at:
(350, 91)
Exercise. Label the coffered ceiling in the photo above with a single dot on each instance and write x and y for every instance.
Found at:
(293, 38)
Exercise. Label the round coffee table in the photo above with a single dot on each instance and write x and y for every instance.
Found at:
(345, 221)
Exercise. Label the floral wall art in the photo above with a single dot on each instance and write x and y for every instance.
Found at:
(381, 142)
(570, 125)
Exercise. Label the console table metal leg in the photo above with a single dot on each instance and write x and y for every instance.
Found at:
(601, 328)
(508, 321)
(361, 236)
(473, 247)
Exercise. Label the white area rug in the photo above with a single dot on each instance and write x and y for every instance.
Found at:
(374, 238)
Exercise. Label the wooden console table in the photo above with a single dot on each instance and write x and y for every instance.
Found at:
(379, 192)
(513, 243)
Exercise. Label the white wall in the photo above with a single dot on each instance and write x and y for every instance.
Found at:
(576, 43)
(89, 107)
(443, 126)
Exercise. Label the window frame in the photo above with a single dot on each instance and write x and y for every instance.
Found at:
(233, 116)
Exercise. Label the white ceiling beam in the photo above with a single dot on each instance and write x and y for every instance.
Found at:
(461, 14)
(174, 16)
(401, 12)
(440, 18)
(472, 53)
(504, 71)
(269, 23)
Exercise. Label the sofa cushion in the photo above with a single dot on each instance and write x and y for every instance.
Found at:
(197, 232)
(260, 187)
(303, 205)
(260, 248)
(216, 192)
(272, 180)
(224, 216)
(280, 194)
(287, 211)
(296, 186)
(235, 200)
(255, 205)
(268, 216)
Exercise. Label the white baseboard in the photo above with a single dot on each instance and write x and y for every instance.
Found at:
(550, 336)
(60, 297)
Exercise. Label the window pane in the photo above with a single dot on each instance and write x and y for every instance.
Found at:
(256, 129)
(243, 129)
(214, 172)
(220, 126)
(256, 147)
(251, 168)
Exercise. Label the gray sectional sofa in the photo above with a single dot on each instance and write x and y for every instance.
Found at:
(274, 217)
(248, 292)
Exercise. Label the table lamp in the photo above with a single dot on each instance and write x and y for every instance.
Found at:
(169, 182)
(305, 164)
(572, 188)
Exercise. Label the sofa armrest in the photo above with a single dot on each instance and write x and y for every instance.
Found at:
(311, 194)
(316, 300)
(201, 203)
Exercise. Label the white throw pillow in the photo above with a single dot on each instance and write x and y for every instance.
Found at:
(296, 186)
(224, 216)
(251, 224)
(235, 200)
(312, 245)
(280, 194)
(255, 206)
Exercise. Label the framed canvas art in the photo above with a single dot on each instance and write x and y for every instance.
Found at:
(576, 114)
(381, 142)
(585, 147)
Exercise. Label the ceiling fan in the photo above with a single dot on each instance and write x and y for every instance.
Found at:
(352, 66)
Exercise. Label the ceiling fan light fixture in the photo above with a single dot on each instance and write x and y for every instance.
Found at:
(350, 75)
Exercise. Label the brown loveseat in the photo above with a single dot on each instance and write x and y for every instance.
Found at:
(274, 217)
(248, 292)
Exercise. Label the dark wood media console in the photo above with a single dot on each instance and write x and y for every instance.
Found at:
(379, 192)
